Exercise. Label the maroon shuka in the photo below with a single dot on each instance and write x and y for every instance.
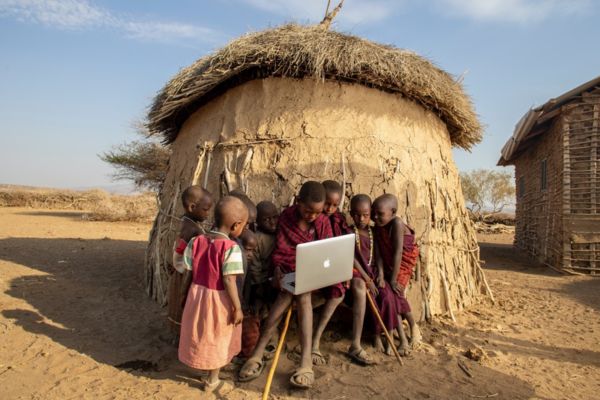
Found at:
(409, 258)
(339, 228)
(338, 224)
(385, 301)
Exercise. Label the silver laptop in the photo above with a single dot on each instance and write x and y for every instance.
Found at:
(320, 264)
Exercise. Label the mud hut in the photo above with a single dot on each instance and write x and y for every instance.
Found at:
(278, 107)
(555, 150)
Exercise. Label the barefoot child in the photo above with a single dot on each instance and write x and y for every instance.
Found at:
(301, 223)
(365, 265)
(197, 202)
(398, 254)
(211, 324)
(334, 294)
(251, 323)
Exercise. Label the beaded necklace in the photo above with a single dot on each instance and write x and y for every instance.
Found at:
(371, 242)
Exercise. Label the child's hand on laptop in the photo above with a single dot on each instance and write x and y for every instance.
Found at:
(277, 277)
(348, 285)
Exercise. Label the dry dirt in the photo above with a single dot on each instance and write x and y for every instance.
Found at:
(75, 323)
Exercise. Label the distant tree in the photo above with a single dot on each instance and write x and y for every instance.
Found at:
(143, 161)
(482, 186)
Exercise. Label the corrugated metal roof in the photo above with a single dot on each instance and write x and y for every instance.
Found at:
(528, 122)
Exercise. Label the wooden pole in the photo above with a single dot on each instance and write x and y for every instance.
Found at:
(276, 358)
(387, 335)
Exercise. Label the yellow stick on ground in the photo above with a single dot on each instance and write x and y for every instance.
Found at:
(387, 335)
(276, 358)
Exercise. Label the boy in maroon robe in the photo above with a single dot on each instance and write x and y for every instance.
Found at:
(333, 294)
(398, 254)
(301, 223)
(366, 276)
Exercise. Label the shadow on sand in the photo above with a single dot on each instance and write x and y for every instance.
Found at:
(89, 298)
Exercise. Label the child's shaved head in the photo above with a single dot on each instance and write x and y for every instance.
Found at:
(194, 195)
(249, 239)
(332, 187)
(385, 201)
(230, 210)
(252, 212)
(312, 191)
(359, 199)
(265, 207)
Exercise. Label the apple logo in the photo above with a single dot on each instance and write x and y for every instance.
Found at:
(326, 263)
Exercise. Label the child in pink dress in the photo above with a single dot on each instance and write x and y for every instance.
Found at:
(211, 330)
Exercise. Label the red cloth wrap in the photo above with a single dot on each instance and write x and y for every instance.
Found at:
(409, 257)
(289, 235)
(180, 249)
(338, 224)
(250, 334)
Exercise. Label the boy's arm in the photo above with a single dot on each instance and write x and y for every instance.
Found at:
(255, 267)
(370, 286)
(231, 289)
(233, 264)
(398, 238)
(379, 264)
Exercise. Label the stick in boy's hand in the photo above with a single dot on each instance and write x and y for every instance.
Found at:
(372, 288)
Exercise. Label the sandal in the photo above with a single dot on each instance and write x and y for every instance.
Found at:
(316, 355)
(306, 372)
(246, 367)
(358, 355)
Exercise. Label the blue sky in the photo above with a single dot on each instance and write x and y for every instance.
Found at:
(74, 73)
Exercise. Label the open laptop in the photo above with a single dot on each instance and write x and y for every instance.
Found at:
(320, 264)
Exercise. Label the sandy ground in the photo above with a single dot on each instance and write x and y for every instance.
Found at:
(75, 323)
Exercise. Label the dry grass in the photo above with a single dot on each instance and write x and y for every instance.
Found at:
(102, 206)
(299, 51)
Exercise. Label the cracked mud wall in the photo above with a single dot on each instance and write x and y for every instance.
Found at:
(269, 136)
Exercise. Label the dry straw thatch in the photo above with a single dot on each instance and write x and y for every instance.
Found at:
(299, 51)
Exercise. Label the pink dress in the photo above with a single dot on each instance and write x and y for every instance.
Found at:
(209, 340)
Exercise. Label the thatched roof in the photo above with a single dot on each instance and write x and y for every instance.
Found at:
(298, 51)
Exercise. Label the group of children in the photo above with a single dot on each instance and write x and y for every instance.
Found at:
(226, 280)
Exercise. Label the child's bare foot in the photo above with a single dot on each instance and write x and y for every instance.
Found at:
(404, 350)
(389, 350)
(317, 357)
(378, 344)
(219, 386)
(415, 337)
